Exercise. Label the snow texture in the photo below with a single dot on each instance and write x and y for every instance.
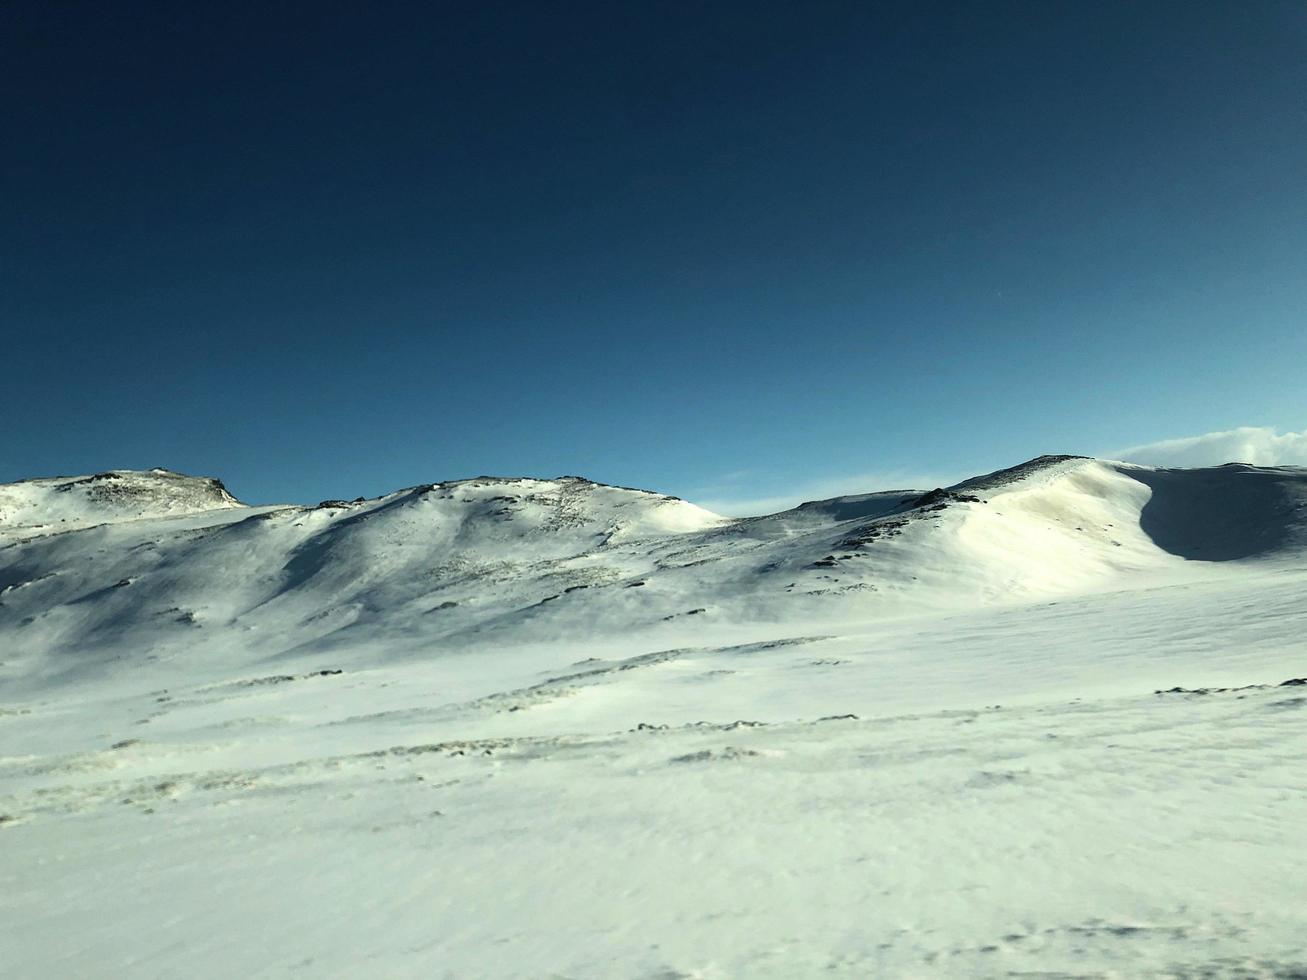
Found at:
(1046, 722)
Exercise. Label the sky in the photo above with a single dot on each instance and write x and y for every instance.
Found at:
(743, 253)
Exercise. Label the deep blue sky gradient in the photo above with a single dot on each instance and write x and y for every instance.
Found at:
(326, 249)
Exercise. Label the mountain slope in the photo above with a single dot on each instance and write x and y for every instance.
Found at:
(1226, 513)
(1046, 722)
(103, 570)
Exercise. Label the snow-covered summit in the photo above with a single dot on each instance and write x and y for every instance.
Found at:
(68, 503)
(561, 503)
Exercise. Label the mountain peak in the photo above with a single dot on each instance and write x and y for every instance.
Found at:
(66, 503)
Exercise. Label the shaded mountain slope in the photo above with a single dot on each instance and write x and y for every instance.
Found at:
(1225, 513)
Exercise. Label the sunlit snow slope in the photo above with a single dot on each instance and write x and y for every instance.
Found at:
(520, 727)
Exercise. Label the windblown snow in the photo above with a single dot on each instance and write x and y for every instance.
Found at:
(1046, 722)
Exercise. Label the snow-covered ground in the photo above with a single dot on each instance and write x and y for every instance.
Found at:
(549, 728)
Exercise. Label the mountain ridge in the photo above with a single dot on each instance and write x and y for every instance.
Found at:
(186, 485)
(495, 561)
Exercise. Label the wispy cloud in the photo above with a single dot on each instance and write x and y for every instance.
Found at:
(721, 500)
(1259, 445)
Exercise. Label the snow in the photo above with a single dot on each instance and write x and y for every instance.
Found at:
(67, 503)
(527, 728)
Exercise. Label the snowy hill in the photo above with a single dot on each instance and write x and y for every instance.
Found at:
(538, 680)
(69, 503)
(177, 566)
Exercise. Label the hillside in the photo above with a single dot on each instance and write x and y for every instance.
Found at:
(543, 727)
(35, 507)
(93, 570)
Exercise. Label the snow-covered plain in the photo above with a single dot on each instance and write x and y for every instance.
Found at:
(550, 728)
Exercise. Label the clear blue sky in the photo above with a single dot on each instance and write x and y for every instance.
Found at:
(327, 249)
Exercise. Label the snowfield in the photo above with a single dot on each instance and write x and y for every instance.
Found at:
(1050, 722)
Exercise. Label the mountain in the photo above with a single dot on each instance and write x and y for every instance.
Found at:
(35, 507)
(94, 570)
(1046, 716)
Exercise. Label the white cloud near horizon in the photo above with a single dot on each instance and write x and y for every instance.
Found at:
(1258, 445)
(721, 501)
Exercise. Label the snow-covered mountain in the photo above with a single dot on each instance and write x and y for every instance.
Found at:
(537, 681)
(97, 570)
(35, 507)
